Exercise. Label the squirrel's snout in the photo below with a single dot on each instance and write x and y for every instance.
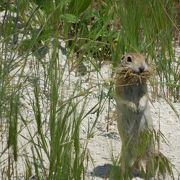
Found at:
(141, 69)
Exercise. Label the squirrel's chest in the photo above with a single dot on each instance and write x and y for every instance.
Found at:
(132, 93)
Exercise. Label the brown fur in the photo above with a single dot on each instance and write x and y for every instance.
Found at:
(133, 109)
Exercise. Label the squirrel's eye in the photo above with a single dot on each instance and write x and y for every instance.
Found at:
(129, 59)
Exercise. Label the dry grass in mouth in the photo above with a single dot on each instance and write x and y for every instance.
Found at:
(126, 76)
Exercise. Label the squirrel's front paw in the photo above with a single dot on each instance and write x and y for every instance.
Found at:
(132, 106)
(142, 104)
(141, 107)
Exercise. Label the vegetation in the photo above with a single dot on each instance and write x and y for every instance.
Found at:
(41, 112)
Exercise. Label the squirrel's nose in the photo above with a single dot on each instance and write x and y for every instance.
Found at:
(141, 69)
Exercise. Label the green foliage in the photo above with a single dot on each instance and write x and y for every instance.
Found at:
(77, 7)
(101, 31)
(13, 123)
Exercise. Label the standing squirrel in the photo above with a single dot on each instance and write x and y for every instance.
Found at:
(133, 109)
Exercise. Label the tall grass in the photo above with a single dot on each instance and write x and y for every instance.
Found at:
(41, 112)
(147, 26)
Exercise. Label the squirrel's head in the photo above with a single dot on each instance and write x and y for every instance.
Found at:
(134, 61)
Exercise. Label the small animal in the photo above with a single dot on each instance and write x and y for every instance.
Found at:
(133, 111)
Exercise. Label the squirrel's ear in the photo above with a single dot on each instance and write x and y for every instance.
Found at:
(122, 57)
(122, 62)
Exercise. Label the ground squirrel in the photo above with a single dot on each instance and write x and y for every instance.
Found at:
(132, 106)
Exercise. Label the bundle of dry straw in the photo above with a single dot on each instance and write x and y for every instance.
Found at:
(126, 76)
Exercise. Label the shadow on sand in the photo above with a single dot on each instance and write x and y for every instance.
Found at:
(104, 171)
(113, 172)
